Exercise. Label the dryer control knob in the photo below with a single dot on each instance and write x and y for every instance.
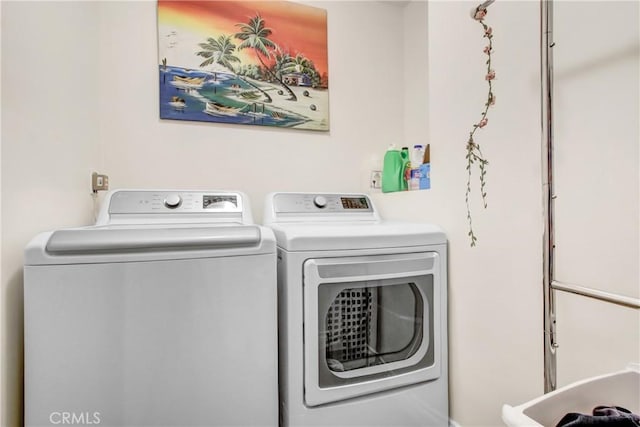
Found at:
(172, 201)
(320, 201)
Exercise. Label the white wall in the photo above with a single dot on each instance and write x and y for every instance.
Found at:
(139, 150)
(597, 134)
(49, 147)
(81, 97)
(80, 93)
(416, 66)
(495, 291)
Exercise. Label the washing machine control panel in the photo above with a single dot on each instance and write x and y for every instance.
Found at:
(321, 203)
(145, 202)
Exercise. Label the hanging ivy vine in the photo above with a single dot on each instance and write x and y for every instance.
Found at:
(474, 155)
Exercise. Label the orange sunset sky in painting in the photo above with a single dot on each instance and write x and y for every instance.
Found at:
(295, 28)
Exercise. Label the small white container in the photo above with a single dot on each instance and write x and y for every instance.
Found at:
(416, 156)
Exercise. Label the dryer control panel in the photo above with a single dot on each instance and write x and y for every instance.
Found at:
(319, 207)
(321, 203)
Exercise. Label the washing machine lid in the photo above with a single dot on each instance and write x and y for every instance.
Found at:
(355, 235)
(154, 225)
(127, 243)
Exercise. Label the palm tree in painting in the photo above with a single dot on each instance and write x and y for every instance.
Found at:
(221, 51)
(255, 35)
(218, 51)
(281, 61)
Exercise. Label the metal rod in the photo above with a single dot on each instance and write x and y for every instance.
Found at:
(546, 75)
(597, 294)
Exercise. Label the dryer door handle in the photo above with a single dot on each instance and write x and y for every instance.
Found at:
(83, 241)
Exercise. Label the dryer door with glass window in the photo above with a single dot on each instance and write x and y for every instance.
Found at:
(372, 323)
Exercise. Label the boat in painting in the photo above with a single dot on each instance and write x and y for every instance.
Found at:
(178, 103)
(276, 115)
(249, 95)
(217, 109)
(189, 80)
(182, 82)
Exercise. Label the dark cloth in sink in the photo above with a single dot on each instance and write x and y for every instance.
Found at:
(613, 416)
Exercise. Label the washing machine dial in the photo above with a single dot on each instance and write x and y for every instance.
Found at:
(320, 201)
(172, 201)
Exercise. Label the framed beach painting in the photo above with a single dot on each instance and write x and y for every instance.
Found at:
(244, 62)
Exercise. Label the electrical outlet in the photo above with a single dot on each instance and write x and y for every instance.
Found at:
(99, 182)
(376, 179)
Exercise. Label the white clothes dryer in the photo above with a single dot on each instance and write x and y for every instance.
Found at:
(362, 314)
(162, 314)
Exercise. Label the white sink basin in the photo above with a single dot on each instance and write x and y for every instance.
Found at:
(616, 389)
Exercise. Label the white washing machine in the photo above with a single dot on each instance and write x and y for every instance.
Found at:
(362, 314)
(162, 314)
